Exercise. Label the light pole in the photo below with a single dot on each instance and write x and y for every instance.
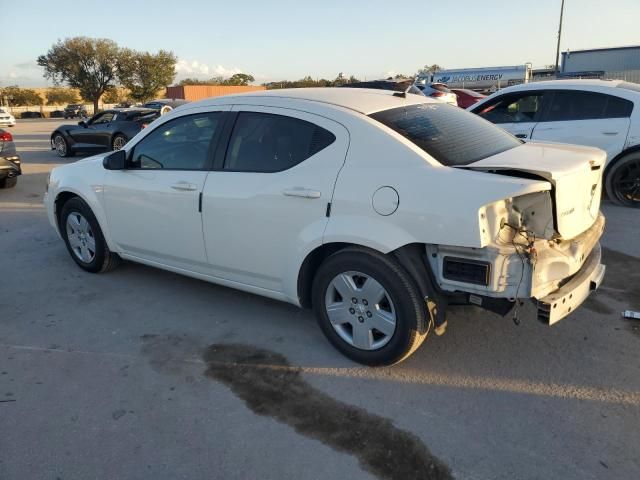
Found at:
(559, 36)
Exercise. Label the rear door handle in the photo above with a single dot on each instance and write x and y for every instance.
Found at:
(610, 133)
(521, 135)
(184, 186)
(302, 192)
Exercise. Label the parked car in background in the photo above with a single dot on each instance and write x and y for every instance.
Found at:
(466, 97)
(108, 130)
(388, 84)
(347, 201)
(598, 113)
(439, 91)
(10, 166)
(164, 105)
(6, 119)
(56, 114)
(75, 110)
(29, 114)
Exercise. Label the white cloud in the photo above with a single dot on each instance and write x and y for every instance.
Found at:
(197, 69)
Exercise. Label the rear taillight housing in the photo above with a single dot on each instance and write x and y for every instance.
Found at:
(5, 137)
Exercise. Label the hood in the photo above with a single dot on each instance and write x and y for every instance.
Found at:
(575, 173)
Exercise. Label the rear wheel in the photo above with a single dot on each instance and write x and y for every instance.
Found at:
(119, 141)
(368, 307)
(84, 239)
(623, 181)
(8, 182)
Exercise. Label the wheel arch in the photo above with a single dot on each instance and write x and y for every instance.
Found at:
(617, 158)
(409, 256)
(66, 194)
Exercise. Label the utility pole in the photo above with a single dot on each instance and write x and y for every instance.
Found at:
(559, 36)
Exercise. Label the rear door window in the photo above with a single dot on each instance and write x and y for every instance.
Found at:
(513, 108)
(449, 134)
(569, 105)
(264, 142)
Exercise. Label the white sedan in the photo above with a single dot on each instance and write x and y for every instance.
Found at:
(6, 119)
(376, 209)
(597, 113)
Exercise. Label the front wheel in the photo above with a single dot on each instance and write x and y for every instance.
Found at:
(623, 181)
(119, 141)
(368, 307)
(61, 146)
(8, 182)
(84, 239)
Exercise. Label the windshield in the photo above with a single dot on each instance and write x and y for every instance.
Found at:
(449, 134)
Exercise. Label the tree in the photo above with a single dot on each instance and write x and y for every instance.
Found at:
(21, 96)
(429, 69)
(239, 79)
(60, 96)
(88, 64)
(144, 73)
(115, 95)
(195, 81)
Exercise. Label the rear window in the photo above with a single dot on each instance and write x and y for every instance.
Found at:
(449, 134)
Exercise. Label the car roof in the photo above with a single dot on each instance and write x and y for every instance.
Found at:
(362, 100)
(569, 83)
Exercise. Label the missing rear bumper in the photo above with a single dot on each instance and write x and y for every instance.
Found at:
(560, 303)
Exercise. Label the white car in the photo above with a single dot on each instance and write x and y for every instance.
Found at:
(439, 91)
(6, 119)
(375, 209)
(598, 113)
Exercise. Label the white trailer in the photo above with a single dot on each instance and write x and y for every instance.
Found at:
(481, 79)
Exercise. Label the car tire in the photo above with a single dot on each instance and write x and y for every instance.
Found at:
(623, 181)
(8, 182)
(118, 142)
(84, 239)
(350, 323)
(61, 146)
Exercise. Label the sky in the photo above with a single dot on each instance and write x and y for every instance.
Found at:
(286, 40)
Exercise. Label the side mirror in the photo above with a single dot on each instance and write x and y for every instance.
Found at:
(115, 160)
(82, 123)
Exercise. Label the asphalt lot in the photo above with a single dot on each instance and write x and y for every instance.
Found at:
(130, 375)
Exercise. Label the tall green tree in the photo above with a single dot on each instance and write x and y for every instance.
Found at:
(88, 64)
(144, 73)
(61, 96)
(21, 96)
(239, 79)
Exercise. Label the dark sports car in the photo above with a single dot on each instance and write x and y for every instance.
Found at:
(108, 130)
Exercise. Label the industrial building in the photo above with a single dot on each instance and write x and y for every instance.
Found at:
(618, 63)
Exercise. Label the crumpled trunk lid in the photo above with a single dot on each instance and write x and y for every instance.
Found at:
(575, 173)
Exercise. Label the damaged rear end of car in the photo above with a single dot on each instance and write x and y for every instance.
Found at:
(538, 239)
(542, 245)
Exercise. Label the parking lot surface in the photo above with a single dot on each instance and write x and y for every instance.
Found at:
(142, 373)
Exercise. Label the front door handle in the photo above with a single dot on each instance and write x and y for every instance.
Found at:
(302, 192)
(184, 186)
(609, 133)
(521, 135)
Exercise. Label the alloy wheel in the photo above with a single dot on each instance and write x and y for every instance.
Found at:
(119, 142)
(60, 145)
(627, 183)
